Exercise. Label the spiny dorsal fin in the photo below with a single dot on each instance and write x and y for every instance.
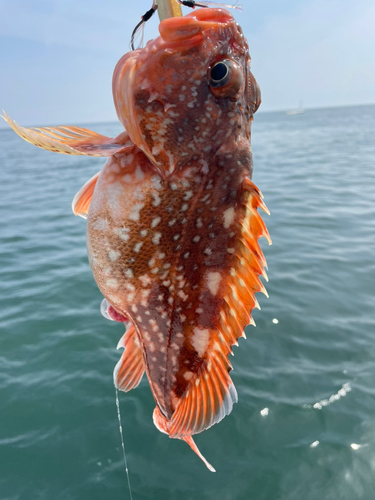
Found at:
(210, 394)
(71, 140)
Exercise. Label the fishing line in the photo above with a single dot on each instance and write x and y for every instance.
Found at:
(144, 20)
(192, 4)
(186, 3)
(122, 443)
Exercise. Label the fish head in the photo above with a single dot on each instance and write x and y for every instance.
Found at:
(189, 93)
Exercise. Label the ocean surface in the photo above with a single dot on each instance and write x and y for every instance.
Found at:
(304, 426)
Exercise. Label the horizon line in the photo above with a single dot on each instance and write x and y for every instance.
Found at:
(5, 126)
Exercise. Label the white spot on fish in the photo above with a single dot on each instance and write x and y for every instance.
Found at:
(213, 282)
(157, 200)
(200, 340)
(228, 217)
(134, 214)
(156, 238)
(113, 255)
(129, 273)
(183, 295)
(230, 250)
(154, 325)
(122, 233)
(144, 232)
(112, 283)
(100, 224)
(155, 221)
(145, 280)
(137, 247)
(196, 239)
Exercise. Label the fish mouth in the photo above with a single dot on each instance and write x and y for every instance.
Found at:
(190, 27)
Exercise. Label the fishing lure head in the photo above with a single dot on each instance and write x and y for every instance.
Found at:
(190, 92)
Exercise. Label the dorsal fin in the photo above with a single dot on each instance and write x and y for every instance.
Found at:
(129, 370)
(81, 201)
(210, 394)
(72, 140)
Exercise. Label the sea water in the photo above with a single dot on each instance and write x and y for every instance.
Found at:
(304, 426)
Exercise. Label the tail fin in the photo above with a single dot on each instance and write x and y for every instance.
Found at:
(71, 140)
(162, 424)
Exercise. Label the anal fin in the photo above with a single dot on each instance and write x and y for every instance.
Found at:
(129, 370)
(208, 398)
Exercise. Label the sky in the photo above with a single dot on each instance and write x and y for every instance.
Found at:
(57, 56)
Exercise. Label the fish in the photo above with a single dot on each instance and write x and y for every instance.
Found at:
(172, 218)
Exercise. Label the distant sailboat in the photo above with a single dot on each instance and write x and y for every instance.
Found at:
(297, 111)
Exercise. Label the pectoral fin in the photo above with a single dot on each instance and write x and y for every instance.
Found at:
(81, 201)
(130, 369)
(71, 140)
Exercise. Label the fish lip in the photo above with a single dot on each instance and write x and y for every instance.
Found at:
(190, 27)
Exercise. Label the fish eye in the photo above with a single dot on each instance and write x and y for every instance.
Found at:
(225, 78)
(218, 73)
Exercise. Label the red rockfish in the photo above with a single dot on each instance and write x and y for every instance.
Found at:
(172, 219)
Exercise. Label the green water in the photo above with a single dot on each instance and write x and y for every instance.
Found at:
(314, 369)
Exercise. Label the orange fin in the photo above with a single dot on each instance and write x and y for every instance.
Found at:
(244, 279)
(71, 140)
(81, 201)
(209, 397)
(190, 441)
(130, 369)
(162, 424)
